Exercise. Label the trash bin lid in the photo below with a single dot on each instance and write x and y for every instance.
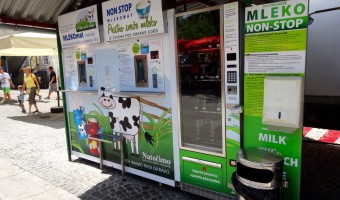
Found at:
(260, 156)
(259, 168)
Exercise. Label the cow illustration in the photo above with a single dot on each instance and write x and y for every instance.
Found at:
(82, 129)
(84, 19)
(89, 17)
(124, 114)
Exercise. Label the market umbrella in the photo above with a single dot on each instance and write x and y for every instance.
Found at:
(14, 45)
(206, 42)
(181, 43)
(25, 44)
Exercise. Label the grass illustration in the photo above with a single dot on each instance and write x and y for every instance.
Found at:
(235, 116)
(161, 126)
(83, 26)
(236, 129)
(77, 146)
(232, 143)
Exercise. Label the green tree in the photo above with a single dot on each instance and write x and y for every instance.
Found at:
(198, 25)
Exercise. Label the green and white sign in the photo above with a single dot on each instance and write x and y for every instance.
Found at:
(133, 18)
(205, 171)
(79, 27)
(205, 174)
(275, 46)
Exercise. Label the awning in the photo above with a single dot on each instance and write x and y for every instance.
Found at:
(27, 46)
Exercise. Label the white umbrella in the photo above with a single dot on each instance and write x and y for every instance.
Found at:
(21, 45)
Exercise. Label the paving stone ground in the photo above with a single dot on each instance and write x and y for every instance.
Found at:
(37, 144)
(16, 183)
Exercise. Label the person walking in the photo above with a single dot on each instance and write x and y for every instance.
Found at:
(38, 91)
(21, 98)
(53, 82)
(6, 84)
(31, 85)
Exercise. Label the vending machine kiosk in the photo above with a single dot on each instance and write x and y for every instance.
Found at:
(208, 101)
(171, 87)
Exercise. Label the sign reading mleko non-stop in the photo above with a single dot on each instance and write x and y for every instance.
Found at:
(275, 49)
(276, 17)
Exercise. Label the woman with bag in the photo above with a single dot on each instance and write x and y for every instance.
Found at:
(31, 85)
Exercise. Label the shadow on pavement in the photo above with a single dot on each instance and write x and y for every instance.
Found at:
(42, 101)
(320, 179)
(133, 187)
(53, 120)
(14, 101)
(88, 163)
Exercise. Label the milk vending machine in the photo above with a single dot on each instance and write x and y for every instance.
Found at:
(208, 101)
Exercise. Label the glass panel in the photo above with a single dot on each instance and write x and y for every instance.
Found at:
(198, 47)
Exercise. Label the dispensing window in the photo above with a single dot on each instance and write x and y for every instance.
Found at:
(82, 73)
(200, 81)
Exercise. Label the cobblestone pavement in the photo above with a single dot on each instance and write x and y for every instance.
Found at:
(37, 145)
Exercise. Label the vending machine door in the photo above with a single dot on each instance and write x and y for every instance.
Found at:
(200, 82)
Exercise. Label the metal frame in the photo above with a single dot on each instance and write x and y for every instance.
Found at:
(223, 154)
(114, 138)
(241, 25)
(61, 75)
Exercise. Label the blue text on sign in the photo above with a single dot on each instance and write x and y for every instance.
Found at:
(119, 9)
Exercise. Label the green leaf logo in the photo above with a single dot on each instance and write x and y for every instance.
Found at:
(78, 55)
(135, 48)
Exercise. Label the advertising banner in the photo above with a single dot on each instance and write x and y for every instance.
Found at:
(134, 18)
(141, 66)
(145, 123)
(79, 27)
(149, 149)
(275, 54)
(80, 71)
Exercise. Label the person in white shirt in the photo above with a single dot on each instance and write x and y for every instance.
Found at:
(6, 84)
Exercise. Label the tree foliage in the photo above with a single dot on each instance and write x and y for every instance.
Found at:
(199, 25)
